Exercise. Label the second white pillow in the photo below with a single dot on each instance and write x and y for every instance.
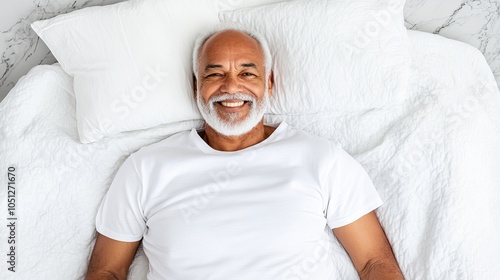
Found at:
(340, 56)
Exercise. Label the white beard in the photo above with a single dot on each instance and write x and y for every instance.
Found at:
(233, 126)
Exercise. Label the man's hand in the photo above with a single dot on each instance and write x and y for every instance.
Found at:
(111, 259)
(367, 245)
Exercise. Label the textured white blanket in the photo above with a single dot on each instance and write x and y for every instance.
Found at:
(434, 159)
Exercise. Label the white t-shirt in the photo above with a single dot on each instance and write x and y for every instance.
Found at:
(257, 213)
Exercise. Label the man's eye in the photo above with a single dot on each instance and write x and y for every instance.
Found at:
(213, 75)
(248, 74)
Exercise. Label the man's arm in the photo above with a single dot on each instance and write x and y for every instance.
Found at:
(370, 251)
(111, 259)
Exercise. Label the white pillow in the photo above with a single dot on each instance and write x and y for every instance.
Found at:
(337, 56)
(131, 62)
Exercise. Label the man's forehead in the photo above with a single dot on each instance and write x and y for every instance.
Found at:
(232, 42)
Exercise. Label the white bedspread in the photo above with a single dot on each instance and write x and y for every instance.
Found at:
(435, 160)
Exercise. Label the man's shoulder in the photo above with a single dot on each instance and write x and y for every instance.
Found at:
(312, 140)
(174, 142)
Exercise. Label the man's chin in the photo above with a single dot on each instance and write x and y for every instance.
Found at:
(232, 124)
(233, 129)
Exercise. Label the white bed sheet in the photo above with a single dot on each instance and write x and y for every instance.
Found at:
(434, 159)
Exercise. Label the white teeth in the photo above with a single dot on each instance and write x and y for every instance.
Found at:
(232, 104)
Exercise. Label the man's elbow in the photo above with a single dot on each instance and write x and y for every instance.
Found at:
(104, 275)
(381, 268)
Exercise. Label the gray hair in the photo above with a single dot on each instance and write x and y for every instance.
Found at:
(203, 37)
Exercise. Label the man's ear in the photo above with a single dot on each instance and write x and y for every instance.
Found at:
(270, 83)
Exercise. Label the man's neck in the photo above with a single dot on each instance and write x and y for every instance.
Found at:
(234, 143)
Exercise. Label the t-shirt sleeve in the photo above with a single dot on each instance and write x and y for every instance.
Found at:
(351, 193)
(120, 215)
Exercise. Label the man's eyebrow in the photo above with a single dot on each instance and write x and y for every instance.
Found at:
(248, 65)
(212, 66)
(215, 66)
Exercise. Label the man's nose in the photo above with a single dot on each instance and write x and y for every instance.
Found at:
(231, 84)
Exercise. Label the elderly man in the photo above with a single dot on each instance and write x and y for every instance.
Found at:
(239, 199)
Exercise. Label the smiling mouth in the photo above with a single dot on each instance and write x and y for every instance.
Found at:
(232, 104)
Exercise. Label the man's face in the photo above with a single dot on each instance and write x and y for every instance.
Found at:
(232, 89)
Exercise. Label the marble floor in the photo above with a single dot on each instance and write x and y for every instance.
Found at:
(474, 22)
